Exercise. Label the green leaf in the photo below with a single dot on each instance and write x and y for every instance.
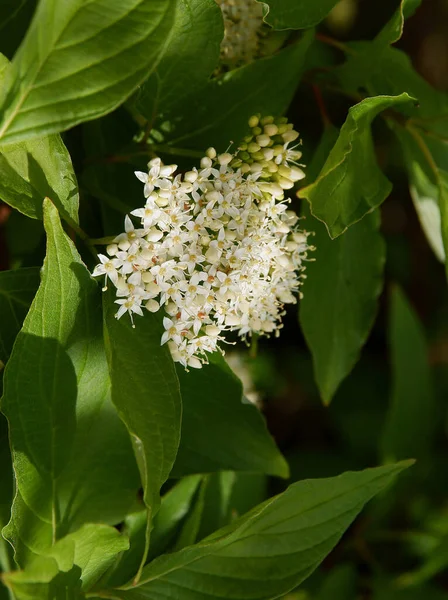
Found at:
(190, 529)
(145, 390)
(82, 557)
(409, 426)
(37, 169)
(17, 290)
(296, 14)
(65, 435)
(351, 184)
(213, 406)
(393, 30)
(174, 507)
(189, 61)
(79, 60)
(340, 298)
(218, 502)
(268, 551)
(218, 114)
(342, 275)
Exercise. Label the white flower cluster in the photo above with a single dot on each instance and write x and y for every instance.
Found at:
(217, 247)
(243, 20)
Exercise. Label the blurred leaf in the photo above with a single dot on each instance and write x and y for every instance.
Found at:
(424, 189)
(342, 275)
(35, 169)
(190, 59)
(339, 584)
(64, 433)
(145, 390)
(218, 114)
(15, 17)
(351, 184)
(435, 562)
(82, 557)
(387, 591)
(271, 549)
(296, 14)
(17, 290)
(79, 61)
(213, 406)
(408, 431)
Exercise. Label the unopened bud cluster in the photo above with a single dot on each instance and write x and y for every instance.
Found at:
(243, 22)
(217, 247)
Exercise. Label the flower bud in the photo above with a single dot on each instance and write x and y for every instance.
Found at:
(152, 306)
(206, 162)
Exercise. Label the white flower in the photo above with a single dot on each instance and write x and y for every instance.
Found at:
(217, 249)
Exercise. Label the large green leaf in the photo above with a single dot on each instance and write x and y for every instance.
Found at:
(296, 14)
(35, 169)
(218, 113)
(73, 564)
(72, 457)
(213, 406)
(188, 62)
(409, 426)
(268, 551)
(145, 390)
(351, 184)
(79, 60)
(17, 290)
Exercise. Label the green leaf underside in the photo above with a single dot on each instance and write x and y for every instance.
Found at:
(189, 61)
(37, 169)
(218, 114)
(409, 426)
(219, 430)
(17, 290)
(296, 14)
(64, 433)
(268, 551)
(145, 390)
(76, 562)
(340, 298)
(79, 60)
(351, 184)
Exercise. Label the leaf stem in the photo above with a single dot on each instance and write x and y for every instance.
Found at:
(321, 105)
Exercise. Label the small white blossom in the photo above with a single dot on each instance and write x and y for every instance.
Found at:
(217, 249)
